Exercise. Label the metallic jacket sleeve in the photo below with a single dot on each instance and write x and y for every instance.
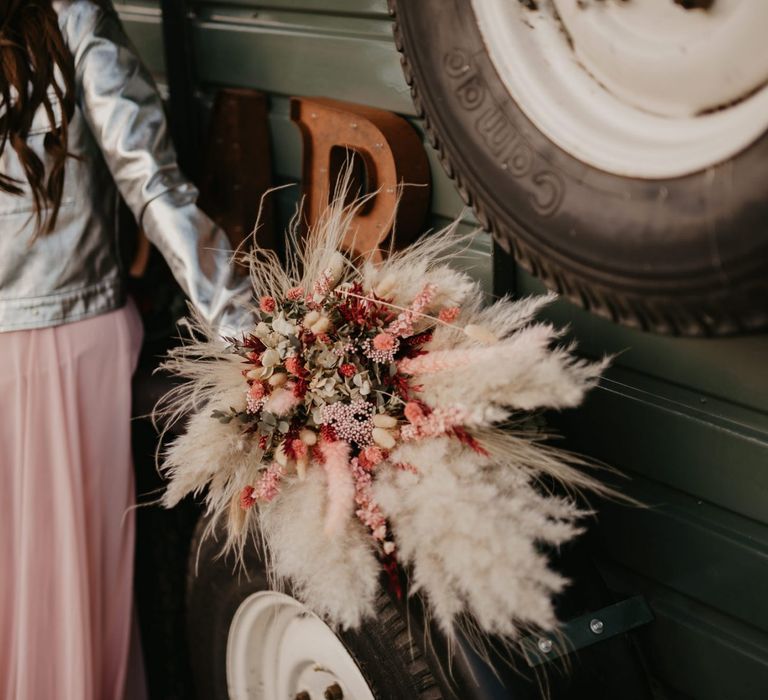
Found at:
(125, 113)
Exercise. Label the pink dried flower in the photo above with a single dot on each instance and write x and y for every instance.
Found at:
(441, 421)
(299, 449)
(268, 485)
(294, 294)
(371, 456)
(403, 325)
(282, 401)
(341, 487)
(348, 370)
(368, 511)
(352, 422)
(384, 341)
(381, 355)
(267, 304)
(413, 412)
(257, 391)
(324, 338)
(449, 314)
(294, 366)
(255, 397)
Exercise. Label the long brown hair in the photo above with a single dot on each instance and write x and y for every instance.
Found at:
(32, 48)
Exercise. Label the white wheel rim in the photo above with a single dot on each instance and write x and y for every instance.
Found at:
(642, 89)
(277, 648)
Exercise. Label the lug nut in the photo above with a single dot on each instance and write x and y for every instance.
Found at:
(334, 692)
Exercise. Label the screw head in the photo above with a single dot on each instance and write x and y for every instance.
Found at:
(596, 626)
(545, 645)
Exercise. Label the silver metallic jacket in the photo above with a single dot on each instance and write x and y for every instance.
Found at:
(120, 136)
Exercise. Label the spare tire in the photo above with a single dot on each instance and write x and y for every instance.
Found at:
(249, 642)
(623, 165)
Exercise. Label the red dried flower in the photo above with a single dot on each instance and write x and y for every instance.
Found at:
(348, 370)
(267, 304)
(263, 442)
(327, 433)
(253, 343)
(393, 576)
(300, 388)
(246, 497)
(419, 339)
(294, 294)
(324, 338)
(466, 439)
(307, 337)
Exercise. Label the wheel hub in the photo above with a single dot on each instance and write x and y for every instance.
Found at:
(670, 59)
(278, 648)
(640, 88)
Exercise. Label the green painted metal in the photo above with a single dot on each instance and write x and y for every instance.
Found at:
(712, 556)
(686, 419)
(693, 649)
(374, 8)
(714, 451)
(734, 369)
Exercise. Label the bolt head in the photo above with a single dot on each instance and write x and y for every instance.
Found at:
(596, 626)
(545, 645)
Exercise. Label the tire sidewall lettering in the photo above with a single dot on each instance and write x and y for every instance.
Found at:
(500, 137)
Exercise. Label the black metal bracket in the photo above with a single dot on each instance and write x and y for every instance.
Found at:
(587, 630)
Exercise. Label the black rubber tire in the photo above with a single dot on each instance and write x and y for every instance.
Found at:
(687, 255)
(390, 650)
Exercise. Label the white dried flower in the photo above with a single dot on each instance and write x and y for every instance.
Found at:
(270, 358)
(383, 420)
(307, 436)
(383, 438)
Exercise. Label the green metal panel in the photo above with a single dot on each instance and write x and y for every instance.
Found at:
(693, 648)
(714, 451)
(375, 8)
(713, 556)
(734, 369)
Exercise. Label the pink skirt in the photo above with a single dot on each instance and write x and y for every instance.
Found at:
(66, 524)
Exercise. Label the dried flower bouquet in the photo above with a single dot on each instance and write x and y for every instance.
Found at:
(374, 419)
